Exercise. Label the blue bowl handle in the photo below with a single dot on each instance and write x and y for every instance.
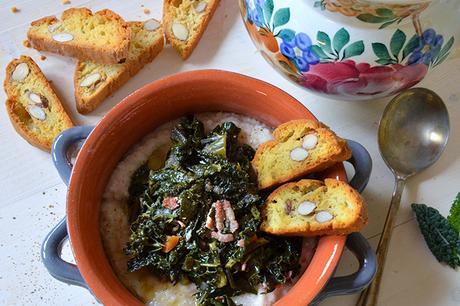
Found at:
(51, 247)
(356, 242)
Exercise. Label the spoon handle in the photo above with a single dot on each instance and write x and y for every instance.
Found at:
(370, 295)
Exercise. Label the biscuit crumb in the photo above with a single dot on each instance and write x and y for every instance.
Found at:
(42, 57)
(26, 43)
(146, 11)
(66, 2)
(14, 9)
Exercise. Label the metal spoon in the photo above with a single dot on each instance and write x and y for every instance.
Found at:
(413, 133)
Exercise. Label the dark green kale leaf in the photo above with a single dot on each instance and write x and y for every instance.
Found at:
(442, 240)
(222, 141)
(186, 138)
(454, 215)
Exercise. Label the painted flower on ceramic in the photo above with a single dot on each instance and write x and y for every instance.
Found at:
(298, 50)
(428, 48)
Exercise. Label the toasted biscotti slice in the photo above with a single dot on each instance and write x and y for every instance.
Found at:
(185, 22)
(32, 105)
(314, 208)
(94, 82)
(102, 37)
(300, 148)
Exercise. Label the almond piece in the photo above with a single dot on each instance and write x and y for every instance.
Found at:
(323, 216)
(53, 27)
(151, 25)
(306, 207)
(36, 112)
(90, 79)
(20, 72)
(63, 37)
(35, 98)
(299, 154)
(310, 141)
(180, 31)
(200, 7)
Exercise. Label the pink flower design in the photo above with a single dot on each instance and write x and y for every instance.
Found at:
(351, 79)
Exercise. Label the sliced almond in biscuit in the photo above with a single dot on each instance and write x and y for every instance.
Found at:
(20, 72)
(323, 216)
(35, 98)
(36, 112)
(306, 207)
(151, 25)
(299, 154)
(90, 79)
(200, 7)
(180, 31)
(53, 27)
(310, 141)
(63, 37)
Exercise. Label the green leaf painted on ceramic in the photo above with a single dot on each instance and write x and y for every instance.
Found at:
(281, 17)
(384, 12)
(372, 18)
(397, 42)
(286, 34)
(319, 52)
(324, 41)
(268, 10)
(441, 59)
(385, 61)
(356, 48)
(410, 46)
(385, 24)
(381, 51)
(445, 50)
(341, 38)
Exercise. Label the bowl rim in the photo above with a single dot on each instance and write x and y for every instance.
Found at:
(329, 248)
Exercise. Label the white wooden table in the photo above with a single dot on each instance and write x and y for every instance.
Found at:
(32, 196)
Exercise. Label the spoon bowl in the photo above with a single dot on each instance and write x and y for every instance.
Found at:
(413, 131)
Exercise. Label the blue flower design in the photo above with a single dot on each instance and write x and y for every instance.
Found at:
(428, 48)
(299, 51)
(255, 13)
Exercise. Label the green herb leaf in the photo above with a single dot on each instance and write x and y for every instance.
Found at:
(281, 17)
(324, 41)
(454, 214)
(356, 48)
(442, 240)
(381, 51)
(397, 42)
(341, 38)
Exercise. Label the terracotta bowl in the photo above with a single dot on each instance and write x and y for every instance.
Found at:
(136, 116)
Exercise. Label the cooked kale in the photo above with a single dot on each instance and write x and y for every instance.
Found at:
(440, 237)
(201, 170)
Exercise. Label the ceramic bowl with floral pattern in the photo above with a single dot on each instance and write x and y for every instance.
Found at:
(353, 49)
